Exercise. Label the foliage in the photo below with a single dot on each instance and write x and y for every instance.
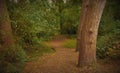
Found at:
(34, 19)
(12, 59)
(40, 50)
(109, 31)
(104, 44)
(33, 22)
(70, 18)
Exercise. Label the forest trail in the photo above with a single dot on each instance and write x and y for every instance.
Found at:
(64, 61)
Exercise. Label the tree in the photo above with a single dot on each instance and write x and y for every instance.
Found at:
(59, 4)
(12, 57)
(6, 36)
(88, 29)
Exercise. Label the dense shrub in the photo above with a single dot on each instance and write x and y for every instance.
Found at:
(109, 31)
(104, 44)
(70, 17)
(12, 59)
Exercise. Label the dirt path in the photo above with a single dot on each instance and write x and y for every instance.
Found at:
(64, 61)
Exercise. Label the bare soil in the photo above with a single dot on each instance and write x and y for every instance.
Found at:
(64, 60)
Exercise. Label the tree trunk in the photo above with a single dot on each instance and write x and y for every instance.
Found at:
(6, 37)
(60, 17)
(60, 13)
(88, 30)
(82, 19)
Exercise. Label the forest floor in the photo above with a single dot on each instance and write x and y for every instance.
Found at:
(64, 60)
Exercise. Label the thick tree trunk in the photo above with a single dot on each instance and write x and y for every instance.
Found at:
(87, 32)
(82, 19)
(6, 38)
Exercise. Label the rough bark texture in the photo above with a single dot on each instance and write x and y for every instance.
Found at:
(82, 19)
(88, 29)
(6, 38)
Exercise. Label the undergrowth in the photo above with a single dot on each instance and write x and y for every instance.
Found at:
(39, 50)
(12, 59)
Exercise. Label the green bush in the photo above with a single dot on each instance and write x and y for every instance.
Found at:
(104, 43)
(12, 59)
(108, 38)
(109, 30)
(70, 19)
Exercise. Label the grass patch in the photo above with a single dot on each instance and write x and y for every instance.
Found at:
(39, 51)
(69, 43)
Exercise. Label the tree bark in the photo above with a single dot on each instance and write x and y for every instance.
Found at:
(82, 19)
(88, 30)
(6, 37)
